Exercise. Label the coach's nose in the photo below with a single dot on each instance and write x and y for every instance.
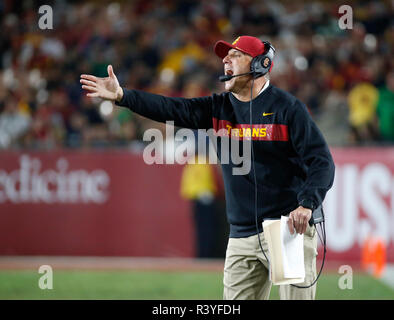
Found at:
(226, 59)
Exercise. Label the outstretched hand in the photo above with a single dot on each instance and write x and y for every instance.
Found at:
(106, 88)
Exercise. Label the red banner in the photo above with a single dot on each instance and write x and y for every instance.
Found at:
(361, 202)
(113, 204)
(91, 203)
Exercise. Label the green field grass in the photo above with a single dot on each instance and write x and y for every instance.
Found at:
(162, 285)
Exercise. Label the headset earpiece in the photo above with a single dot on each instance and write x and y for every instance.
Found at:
(262, 64)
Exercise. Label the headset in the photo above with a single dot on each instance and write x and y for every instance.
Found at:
(259, 66)
(263, 63)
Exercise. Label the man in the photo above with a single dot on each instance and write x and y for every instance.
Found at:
(293, 165)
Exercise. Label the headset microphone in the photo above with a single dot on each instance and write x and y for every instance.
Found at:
(228, 77)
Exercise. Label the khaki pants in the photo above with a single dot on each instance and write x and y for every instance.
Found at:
(246, 270)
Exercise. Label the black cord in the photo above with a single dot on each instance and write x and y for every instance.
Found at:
(324, 257)
(254, 172)
(256, 202)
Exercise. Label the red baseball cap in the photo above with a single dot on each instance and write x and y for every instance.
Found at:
(247, 44)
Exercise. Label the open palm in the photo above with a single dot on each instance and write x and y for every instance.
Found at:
(106, 88)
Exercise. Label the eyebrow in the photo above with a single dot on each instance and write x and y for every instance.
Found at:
(233, 51)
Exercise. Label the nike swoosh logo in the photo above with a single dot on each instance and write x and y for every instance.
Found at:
(267, 114)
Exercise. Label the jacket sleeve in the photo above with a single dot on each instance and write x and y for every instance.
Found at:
(309, 144)
(193, 113)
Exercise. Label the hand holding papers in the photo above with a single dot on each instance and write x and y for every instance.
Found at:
(286, 252)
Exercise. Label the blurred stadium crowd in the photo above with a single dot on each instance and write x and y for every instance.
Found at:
(345, 77)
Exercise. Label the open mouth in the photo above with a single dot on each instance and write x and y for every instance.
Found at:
(229, 72)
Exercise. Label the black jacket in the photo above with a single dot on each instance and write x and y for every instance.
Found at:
(292, 161)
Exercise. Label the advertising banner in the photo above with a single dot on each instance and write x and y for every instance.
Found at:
(113, 204)
(91, 203)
